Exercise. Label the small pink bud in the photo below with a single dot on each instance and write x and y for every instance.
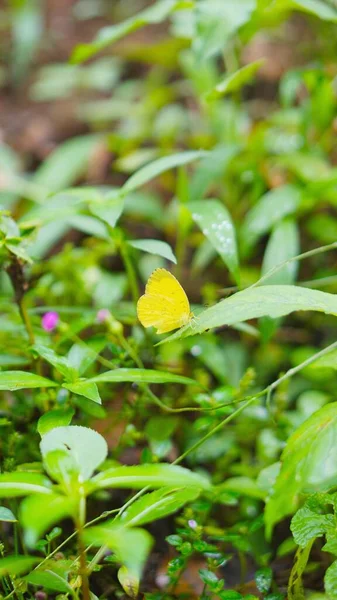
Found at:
(50, 320)
(103, 315)
(192, 524)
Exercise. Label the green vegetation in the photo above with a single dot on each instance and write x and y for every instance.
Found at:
(200, 137)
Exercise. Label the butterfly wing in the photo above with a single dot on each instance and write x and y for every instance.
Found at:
(164, 304)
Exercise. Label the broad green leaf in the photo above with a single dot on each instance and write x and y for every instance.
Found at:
(128, 581)
(141, 376)
(156, 247)
(109, 209)
(15, 565)
(157, 505)
(319, 8)
(86, 447)
(49, 580)
(330, 581)
(131, 546)
(54, 418)
(216, 22)
(211, 169)
(38, 513)
(81, 356)
(7, 515)
(152, 475)
(108, 35)
(19, 483)
(216, 224)
(60, 363)
(159, 166)
(89, 225)
(307, 464)
(261, 301)
(271, 208)
(85, 388)
(20, 380)
(67, 163)
(307, 524)
(235, 81)
(26, 32)
(282, 245)
(9, 360)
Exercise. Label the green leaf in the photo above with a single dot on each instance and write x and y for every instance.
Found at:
(49, 580)
(38, 513)
(60, 363)
(159, 166)
(320, 9)
(261, 301)
(108, 35)
(156, 247)
(7, 515)
(271, 208)
(19, 483)
(157, 505)
(131, 546)
(87, 448)
(108, 209)
(330, 581)
(65, 165)
(84, 388)
(308, 524)
(89, 225)
(81, 356)
(54, 418)
(15, 565)
(211, 169)
(19, 380)
(282, 245)
(129, 582)
(141, 376)
(216, 224)
(263, 579)
(152, 475)
(235, 81)
(308, 464)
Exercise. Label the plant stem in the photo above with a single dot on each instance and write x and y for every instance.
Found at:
(26, 320)
(130, 271)
(81, 547)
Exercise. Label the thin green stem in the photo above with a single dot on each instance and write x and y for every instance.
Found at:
(129, 270)
(302, 256)
(26, 320)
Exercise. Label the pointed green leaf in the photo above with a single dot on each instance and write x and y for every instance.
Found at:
(259, 301)
(20, 483)
(216, 224)
(152, 475)
(16, 565)
(54, 418)
(158, 504)
(38, 513)
(159, 166)
(18, 380)
(156, 247)
(141, 376)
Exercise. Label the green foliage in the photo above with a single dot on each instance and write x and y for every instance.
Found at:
(203, 144)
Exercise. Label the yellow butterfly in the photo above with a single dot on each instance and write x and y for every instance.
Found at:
(164, 304)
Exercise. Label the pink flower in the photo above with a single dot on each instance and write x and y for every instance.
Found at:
(103, 315)
(192, 523)
(50, 320)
